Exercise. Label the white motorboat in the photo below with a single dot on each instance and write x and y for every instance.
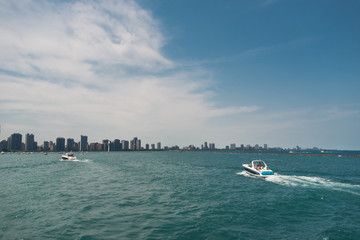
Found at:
(68, 156)
(258, 168)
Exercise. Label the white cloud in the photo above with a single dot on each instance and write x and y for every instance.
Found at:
(97, 68)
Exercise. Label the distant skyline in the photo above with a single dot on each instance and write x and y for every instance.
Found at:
(284, 73)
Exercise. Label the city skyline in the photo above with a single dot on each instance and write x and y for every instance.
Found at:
(15, 143)
(285, 73)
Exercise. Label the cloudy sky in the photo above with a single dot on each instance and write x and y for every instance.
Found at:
(182, 72)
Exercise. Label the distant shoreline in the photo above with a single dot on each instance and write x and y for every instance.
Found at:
(296, 154)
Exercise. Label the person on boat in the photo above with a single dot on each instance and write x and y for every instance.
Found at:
(259, 166)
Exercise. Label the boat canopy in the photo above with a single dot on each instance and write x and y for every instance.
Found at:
(258, 163)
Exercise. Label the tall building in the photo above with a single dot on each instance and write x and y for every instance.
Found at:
(212, 146)
(152, 146)
(138, 144)
(125, 145)
(70, 144)
(60, 144)
(265, 146)
(233, 146)
(147, 147)
(3, 145)
(116, 145)
(14, 142)
(106, 144)
(83, 143)
(159, 145)
(135, 144)
(29, 142)
(46, 146)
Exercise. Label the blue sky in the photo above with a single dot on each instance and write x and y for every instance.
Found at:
(280, 72)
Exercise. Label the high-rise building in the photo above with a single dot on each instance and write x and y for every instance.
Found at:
(135, 144)
(70, 144)
(205, 145)
(125, 145)
(212, 146)
(46, 146)
(116, 145)
(152, 146)
(265, 146)
(159, 145)
(15, 142)
(106, 144)
(60, 144)
(83, 143)
(29, 142)
(3, 145)
(233, 146)
(147, 147)
(138, 144)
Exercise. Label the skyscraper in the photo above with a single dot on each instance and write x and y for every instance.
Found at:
(106, 144)
(3, 145)
(60, 144)
(125, 145)
(29, 142)
(159, 145)
(15, 142)
(46, 146)
(70, 144)
(138, 144)
(83, 143)
(116, 145)
(135, 144)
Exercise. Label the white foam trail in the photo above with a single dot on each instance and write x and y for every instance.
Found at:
(77, 160)
(308, 182)
(313, 182)
(246, 174)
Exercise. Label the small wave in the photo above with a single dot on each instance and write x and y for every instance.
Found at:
(313, 182)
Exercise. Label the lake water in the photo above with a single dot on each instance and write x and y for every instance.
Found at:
(178, 195)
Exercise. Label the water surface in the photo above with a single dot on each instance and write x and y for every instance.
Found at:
(173, 195)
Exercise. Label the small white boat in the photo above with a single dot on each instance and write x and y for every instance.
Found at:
(258, 168)
(68, 156)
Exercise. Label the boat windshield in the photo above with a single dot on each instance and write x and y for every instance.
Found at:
(258, 164)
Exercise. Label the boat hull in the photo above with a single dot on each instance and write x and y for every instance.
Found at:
(256, 172)
(68, 157)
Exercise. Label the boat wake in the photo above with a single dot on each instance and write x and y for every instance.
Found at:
(77, 160)
(309, 182)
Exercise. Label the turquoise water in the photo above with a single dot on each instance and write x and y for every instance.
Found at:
(172, 195)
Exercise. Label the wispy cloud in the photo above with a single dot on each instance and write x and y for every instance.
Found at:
(97, 68)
